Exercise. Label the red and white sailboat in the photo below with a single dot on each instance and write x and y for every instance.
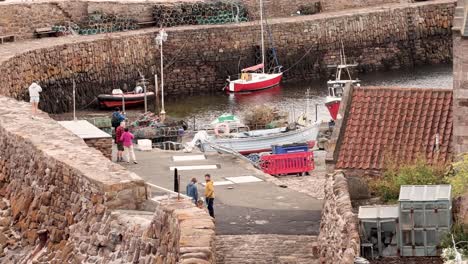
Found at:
(254, 78)
(336, 87)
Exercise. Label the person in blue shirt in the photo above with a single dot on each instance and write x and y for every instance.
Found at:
(192, 190)
(117, 118)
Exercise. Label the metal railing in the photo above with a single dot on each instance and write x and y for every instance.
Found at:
(164, 194)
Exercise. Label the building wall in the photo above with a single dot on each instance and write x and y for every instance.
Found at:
(460, 99)
(339, 236)
(460, 93)
(87, 208)
(199, 58)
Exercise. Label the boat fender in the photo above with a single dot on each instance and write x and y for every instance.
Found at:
(226, 129)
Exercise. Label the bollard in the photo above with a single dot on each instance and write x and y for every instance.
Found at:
(176, 181)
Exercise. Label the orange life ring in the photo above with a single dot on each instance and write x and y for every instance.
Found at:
(226, 129)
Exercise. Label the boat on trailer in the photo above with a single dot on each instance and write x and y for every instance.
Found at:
(129, 99)
(255, 78)
(336, 87)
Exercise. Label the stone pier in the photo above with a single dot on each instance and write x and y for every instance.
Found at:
(199, 58)
(62, 201)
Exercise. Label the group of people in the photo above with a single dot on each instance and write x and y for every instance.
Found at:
(192, 191)
(123, 138)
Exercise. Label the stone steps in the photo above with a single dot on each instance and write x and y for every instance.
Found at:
(266, 249)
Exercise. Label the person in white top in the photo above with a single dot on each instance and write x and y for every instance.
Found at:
(34, 90)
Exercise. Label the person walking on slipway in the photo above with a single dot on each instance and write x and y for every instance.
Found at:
(127, 140)
(34, 90)
(209, 194)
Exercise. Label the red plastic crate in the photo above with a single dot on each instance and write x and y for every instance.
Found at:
(289, 163)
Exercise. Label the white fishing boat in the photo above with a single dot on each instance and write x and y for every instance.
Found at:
(255, 141)
(336, 87)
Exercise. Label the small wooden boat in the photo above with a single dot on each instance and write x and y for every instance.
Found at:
(129, 99)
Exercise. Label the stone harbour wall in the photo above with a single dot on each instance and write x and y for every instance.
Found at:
(104, 145)
(285, 8)
(21, 19)
(199, 58)
(328, 5)
(339, 234)
(64, 202)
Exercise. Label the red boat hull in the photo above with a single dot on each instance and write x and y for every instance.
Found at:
(113, 104)
(130, 99)
(333, 107)
(254, 86)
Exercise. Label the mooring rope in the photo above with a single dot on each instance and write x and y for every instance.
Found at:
(297, 62)
(86, 106)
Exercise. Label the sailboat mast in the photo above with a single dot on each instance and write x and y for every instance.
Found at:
(263, 41)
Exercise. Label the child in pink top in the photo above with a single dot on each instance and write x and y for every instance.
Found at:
(127, 139)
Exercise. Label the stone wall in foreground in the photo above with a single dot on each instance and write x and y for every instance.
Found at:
(64, 202)
(199, 58)
(339, 234)
(102, 144)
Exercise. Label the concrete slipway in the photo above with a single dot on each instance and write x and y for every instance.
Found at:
(259, 207)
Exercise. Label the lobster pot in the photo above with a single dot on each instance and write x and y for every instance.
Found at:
(378, 230)
(425, 218)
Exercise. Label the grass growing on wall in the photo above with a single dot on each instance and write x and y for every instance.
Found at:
(458, 177)
(395, 174)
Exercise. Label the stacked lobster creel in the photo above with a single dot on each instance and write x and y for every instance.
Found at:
(99, 23)
(199, 14)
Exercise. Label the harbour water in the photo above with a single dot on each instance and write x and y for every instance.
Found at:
(291, 97)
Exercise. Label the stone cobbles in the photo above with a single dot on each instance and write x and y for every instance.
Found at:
(312, 185)
(266, 249)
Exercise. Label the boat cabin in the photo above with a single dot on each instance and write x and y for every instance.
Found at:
(336, 88)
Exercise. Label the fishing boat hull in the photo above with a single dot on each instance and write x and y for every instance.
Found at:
(333, 106)
(256, 144)
(258, 82)
(130, 99)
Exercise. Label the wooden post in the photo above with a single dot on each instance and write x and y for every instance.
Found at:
(156, 88)
(74, 101)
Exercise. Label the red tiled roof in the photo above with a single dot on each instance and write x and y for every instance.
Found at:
(397, 122)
